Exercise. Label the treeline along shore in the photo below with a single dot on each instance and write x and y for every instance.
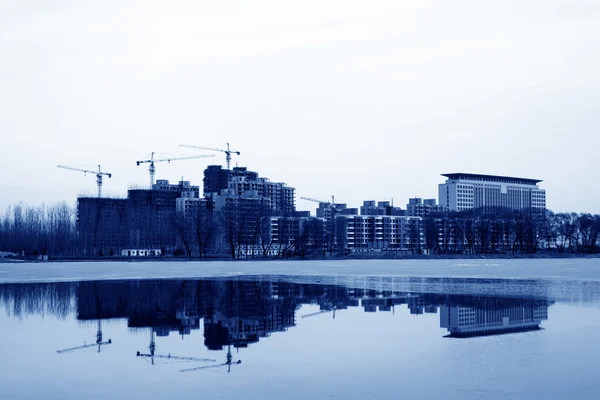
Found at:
(53, 232)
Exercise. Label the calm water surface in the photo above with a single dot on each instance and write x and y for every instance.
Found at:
(301, 337)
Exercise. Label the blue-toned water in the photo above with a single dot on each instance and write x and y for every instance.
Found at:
(301, 336)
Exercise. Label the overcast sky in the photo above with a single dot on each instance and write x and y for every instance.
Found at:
(360, 99)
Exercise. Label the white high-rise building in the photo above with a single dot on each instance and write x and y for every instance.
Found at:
(464, 191)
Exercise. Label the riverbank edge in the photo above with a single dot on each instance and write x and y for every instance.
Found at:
(368, 256)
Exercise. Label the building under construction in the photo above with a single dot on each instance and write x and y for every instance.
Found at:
(102, 225)
(240, 182)
(173, 218)
(143, 220)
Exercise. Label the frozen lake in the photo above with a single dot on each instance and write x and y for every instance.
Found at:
(547, 269)
(474, 329)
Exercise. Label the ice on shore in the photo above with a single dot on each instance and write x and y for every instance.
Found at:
(537, 269)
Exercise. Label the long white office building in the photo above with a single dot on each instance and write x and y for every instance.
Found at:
(493, 317)
(464, 191)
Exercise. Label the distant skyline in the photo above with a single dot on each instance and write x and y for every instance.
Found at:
(361, 100)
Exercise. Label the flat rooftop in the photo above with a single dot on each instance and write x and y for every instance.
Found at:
(491, 178)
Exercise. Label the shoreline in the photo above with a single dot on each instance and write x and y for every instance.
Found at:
(556, 270)
(357, 256)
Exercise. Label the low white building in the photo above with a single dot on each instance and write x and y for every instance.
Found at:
(141, 252)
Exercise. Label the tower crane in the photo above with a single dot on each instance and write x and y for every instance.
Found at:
(228, 152)
(99, 342)
(329, 214)
(229, 363)
(98, 174)
(152, 354)
(331, 204)
(152, 168)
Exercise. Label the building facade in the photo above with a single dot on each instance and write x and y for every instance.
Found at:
(328, 210)
(216, 178)
(382, 232)
(299, 235)
(240, 219)
(146, 219)
(370, 207)
(464, 191)
(102, 225)
(418, 207)
(152, 219)
(244, 183)
(183, 188)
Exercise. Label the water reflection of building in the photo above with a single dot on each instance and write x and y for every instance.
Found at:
(246, 311)
(163, 306)
(236, 312)
(381, 303)
(492, 316)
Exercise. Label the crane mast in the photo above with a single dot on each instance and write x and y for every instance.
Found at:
(152, 355)
(152, 167)
(99, 174)
(228, 152)
(99, 342)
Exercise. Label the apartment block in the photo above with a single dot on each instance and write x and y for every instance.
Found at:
(370, 207)
(244, 183)
(328, 211)
(418, 207)
(383, 232)
(183, 188)
(102, 225)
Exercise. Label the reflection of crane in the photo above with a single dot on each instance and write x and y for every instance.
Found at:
(152, 355)
(227, 152)
(229, 363)
(98, 174)
(152, 168)
(98, 343)
(333, 308)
